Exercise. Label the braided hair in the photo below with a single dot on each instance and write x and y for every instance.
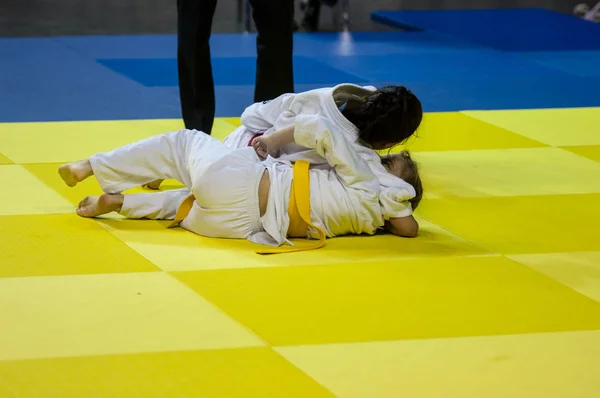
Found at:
(385, 117)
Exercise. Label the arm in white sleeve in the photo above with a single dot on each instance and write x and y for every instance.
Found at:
(261, 116)
(318, 133)
(394, 202)
(395, 192)
(239, 138)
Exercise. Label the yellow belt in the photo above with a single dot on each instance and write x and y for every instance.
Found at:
(183, 210)
(298, 211)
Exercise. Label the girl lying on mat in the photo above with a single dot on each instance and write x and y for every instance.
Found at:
(232, 193)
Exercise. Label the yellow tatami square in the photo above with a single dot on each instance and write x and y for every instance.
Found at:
(234, 121)
(86, 315)
(554, 365)
(180, 250)
(4, 160)
(450, 131)
(63, 245)
(22, 193)
(557, 127)
(522, 224)
(245, 372)
(580, 271)
(508, 172)
(590, 151)
(222, 127)
(410, 299)
(68, 141)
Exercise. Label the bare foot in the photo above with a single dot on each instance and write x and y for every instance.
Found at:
(154, 185)
(94, 206)
(75, 172)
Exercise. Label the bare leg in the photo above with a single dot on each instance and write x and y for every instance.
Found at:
(94, 206)
(75, 172)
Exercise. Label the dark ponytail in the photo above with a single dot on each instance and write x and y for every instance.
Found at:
(385, 117)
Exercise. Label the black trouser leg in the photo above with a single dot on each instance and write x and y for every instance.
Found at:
(196, 85)
(274, 21)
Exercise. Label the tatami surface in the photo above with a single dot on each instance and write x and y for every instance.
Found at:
(499, 296)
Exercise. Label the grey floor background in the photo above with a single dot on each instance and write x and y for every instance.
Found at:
(31, 18)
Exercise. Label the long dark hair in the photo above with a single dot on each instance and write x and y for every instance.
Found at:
(386, 117)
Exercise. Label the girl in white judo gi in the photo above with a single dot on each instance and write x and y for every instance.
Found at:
(367, 117)
(236, 195)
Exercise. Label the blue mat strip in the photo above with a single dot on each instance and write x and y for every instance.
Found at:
(134, 77)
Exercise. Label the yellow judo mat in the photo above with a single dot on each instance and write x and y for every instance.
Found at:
(499, 296)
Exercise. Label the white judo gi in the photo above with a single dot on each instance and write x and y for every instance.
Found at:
(344, 199)
(270, 116)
